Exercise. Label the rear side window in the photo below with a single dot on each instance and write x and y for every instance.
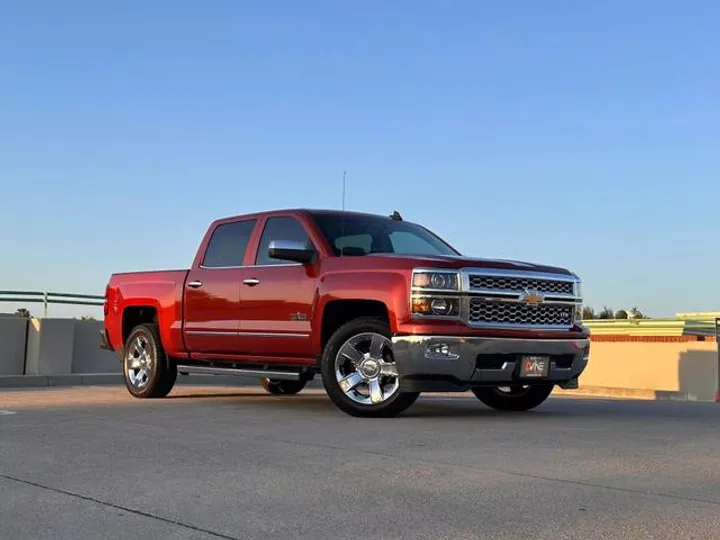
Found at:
(228, 243)
(280, 228)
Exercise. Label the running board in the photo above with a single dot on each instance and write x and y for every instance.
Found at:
(212, 370)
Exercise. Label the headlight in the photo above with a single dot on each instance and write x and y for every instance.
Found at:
(440, 280)
(432, 293)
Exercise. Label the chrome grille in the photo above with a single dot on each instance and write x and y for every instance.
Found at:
(547, 286)
(488, 312)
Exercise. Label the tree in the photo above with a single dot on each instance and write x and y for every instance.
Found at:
(23, 313)
(635, 313)
(606, 313)
(588, 313)
(621, 314)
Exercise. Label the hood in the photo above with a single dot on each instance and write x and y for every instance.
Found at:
(458, 261)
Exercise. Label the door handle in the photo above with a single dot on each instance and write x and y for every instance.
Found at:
(251, 282)
(194, 284)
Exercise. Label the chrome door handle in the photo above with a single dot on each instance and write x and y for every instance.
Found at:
(194, 284)
(251, 282)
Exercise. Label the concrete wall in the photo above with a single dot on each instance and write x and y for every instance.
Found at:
(61, 346)
(689, 367)
(88, 357)
(58, 347)
(13, 333)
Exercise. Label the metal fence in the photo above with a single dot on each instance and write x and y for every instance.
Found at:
(47, 298)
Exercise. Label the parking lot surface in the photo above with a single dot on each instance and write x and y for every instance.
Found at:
(223, 462)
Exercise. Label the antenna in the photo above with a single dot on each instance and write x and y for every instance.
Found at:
(343, 192)
(342, 218)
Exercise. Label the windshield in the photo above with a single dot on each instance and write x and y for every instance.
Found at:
(350, 234)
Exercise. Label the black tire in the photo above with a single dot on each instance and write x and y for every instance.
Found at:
(392, 406)
(281, 388)
(162, 374)
(518, 399)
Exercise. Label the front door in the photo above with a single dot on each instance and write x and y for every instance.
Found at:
(277, 297)
(212, 291)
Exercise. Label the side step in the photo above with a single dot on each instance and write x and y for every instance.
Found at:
(212, 370)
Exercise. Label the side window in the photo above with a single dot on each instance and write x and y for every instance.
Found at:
(228, 243)
(280, 228)
(407, 243)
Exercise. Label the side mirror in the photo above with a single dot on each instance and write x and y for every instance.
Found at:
(290, 250)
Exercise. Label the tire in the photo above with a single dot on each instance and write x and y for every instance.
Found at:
(371, 383)
(147, 371)
(519, 398)
(280, 388)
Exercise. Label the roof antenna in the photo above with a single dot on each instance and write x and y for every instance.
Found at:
(343, 193)
(342, 217)
(395, 216)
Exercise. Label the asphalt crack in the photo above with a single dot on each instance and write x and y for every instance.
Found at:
(501, 471)
(120, 507)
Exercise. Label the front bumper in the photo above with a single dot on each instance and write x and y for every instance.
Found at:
(453, 363)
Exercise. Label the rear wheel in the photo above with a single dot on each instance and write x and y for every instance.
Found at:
(513, 398)
(147, 371)
(279, 388)
(359, 372)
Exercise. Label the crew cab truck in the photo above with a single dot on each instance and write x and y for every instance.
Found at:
(380, 308)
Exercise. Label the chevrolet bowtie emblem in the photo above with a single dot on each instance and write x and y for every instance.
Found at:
(531, 297)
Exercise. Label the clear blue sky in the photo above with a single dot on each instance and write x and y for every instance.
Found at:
(582, 134)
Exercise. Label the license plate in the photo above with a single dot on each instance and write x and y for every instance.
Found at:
(532, 367)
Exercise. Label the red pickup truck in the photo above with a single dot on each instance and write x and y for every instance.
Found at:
(381, 308)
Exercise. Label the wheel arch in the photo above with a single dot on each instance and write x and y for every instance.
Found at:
(348, 296)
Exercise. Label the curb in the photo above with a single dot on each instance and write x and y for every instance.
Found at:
(626, 393)
(91, 379)
(75, 379)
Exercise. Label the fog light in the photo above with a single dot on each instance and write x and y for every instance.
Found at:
(441, 351)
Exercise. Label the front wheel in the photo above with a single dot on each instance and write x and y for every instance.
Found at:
(513, 398)
(359, 372)
(279, 388)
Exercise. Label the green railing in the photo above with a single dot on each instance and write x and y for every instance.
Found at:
(47, 298)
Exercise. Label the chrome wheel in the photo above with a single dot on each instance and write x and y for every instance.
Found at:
(139, 363)
(365, 369)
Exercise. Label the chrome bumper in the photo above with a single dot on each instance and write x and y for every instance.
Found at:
(446, 363)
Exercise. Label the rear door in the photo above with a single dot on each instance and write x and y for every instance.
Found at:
(212, 291)
(277, 296)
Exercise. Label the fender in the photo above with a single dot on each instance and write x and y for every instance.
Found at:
(166, 298)
(388, 287)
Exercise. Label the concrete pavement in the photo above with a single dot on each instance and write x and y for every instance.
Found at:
(91, 462)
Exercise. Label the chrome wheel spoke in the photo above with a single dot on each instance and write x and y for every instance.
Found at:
(388, 369)
(376, 392)
(138, 348)
(351, 353)
(377, 344)
(351, 381)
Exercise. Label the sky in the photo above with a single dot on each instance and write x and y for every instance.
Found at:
(577, 134)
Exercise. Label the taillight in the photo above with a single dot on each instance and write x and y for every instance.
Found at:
(106, 300)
